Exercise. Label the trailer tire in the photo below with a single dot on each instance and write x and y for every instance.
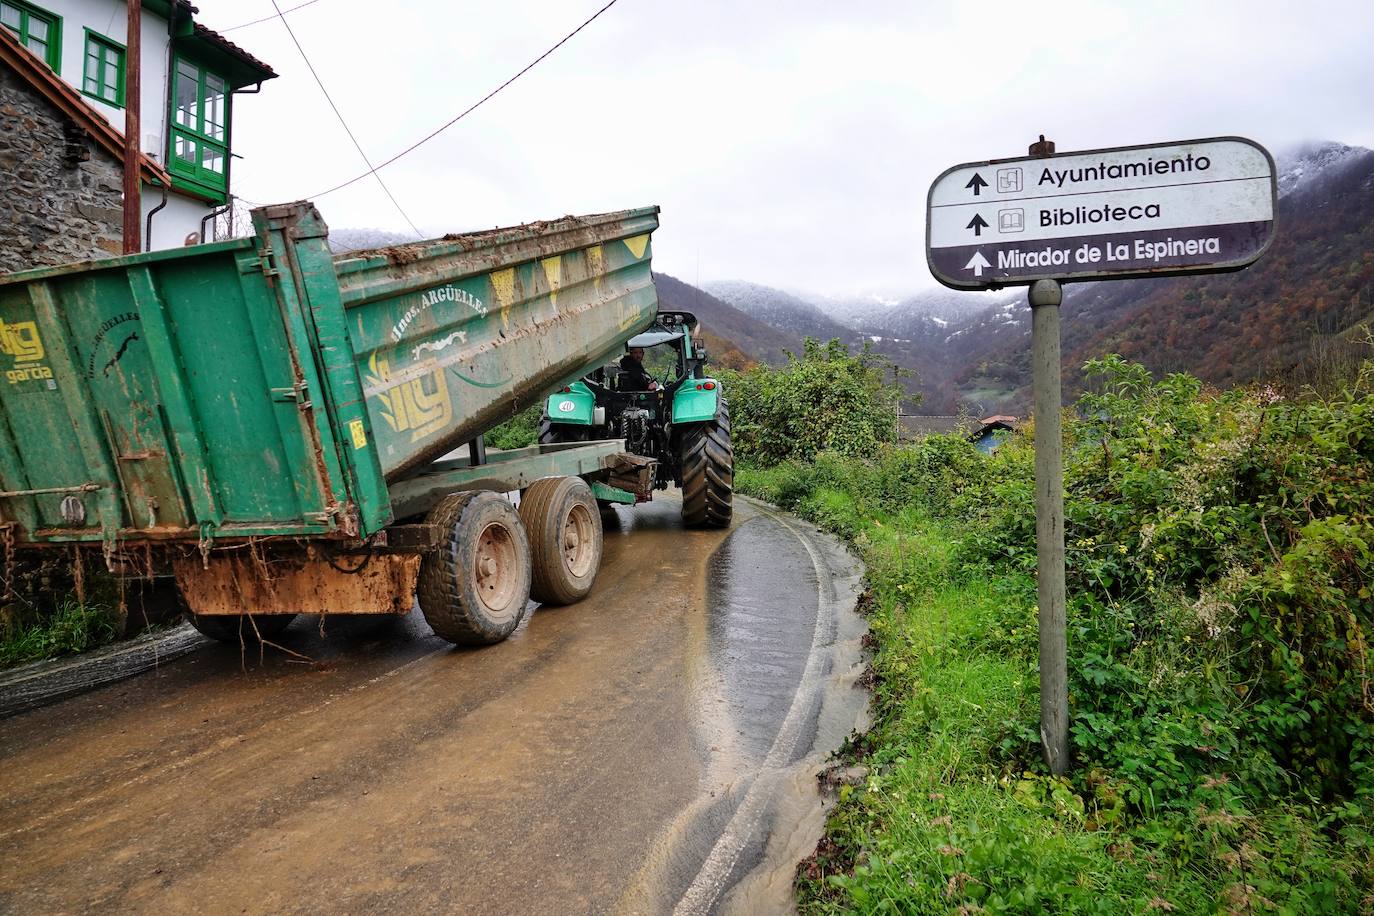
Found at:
(708, 472)
(236, 628)
(564, 528)
(474, 587)
(551, 433)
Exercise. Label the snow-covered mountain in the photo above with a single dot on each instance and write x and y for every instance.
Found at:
(1310, 164)
(779, 308)
(352, 239)
(971, 350)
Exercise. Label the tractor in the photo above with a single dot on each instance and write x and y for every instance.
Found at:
(673, 413)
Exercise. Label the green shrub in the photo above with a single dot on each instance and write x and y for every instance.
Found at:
(519, 431)
(69, 629)
(826, 399)
(1220, 550)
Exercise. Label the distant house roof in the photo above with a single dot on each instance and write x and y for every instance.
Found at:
(1001, 419)
(916, 426)
(66, 99)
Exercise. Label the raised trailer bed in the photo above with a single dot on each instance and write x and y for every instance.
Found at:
(269, 420)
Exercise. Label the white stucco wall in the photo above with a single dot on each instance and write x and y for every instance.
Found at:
(171, 224)
(110, 19)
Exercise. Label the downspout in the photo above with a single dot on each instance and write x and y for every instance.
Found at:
(148, 223)
(228, 198)
(215, 214)
(228, 163)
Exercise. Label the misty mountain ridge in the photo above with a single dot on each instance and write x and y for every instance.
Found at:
(972, 351)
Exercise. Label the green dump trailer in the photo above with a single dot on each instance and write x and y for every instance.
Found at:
(283, 428)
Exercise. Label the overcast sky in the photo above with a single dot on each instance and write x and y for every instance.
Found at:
(789, 143)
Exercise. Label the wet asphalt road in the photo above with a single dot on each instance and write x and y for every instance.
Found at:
(652, 749)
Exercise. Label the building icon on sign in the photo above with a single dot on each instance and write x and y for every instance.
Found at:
(1008, 181)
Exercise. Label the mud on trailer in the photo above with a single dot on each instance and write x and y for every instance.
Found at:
(277, 425)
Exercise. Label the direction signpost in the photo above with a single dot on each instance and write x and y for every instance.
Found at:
(1201, 206)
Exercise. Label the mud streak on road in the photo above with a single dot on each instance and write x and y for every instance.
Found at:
(651, 748)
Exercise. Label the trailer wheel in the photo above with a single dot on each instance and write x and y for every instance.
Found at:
(474, 587)
(231, 628)
(551, 432)
(564, 527)
(708, 472)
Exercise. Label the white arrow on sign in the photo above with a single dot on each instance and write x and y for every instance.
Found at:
(977, 263)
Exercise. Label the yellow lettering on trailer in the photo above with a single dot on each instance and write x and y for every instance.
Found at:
(421, 406)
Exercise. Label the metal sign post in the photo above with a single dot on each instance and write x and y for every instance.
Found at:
(1203, 206)
(1045, 296)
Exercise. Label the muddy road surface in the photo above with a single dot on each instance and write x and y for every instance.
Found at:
(650, 750)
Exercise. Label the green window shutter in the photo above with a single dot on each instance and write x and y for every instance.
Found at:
(103, 71)
(39, 30)
(199, 143)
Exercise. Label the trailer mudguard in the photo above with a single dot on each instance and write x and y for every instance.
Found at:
(695, 402)
(574, 406)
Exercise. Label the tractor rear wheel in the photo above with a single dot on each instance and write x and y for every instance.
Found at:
(708, 472)
(240, 628)
(475, 586)
(564, 529)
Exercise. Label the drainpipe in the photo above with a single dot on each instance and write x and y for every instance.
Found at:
(228, 166)
(228, 198)
(148, 225)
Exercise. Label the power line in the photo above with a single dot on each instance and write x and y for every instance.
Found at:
(244, 25)
(372, 170)
(347, 129)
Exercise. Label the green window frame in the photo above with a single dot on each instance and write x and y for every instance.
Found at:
(198, 146)
(39, 30)
(102, 73)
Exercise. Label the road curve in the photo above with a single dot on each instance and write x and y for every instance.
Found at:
(650, 750)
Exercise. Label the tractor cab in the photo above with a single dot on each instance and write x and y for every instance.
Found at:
(660, 400)
(669, 352)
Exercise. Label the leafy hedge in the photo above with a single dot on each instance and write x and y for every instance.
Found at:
(1219, 559)
(826, 399)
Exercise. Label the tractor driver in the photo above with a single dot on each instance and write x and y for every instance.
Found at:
(636, 377)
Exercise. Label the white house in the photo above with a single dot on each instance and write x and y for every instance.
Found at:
(190, 78)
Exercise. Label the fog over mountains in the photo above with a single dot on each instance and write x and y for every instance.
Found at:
(971, 350)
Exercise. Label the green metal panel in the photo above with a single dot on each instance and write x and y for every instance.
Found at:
(693, 403)
(454, 336)
(263, 387)
(156, 379)
(574, 407)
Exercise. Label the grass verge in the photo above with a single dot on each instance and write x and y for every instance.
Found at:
(69, 629)
(954, 817)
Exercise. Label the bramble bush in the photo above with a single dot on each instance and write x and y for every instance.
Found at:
(824, 399)
(1219, 556)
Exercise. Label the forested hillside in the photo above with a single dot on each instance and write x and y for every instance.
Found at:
(1276, 320)
(1293, 316)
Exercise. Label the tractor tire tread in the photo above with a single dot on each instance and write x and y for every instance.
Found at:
(708, 473)
(550, 582)
(443, 576)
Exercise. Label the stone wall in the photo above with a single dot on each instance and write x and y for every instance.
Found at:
(60, 193)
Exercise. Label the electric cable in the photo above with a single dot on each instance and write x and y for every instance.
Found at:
(244, 25)
(347, 129)
(372, 170)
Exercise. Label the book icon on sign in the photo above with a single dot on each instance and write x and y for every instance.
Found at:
(1011, 220)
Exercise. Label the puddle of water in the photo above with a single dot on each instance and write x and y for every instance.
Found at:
(774, 677)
